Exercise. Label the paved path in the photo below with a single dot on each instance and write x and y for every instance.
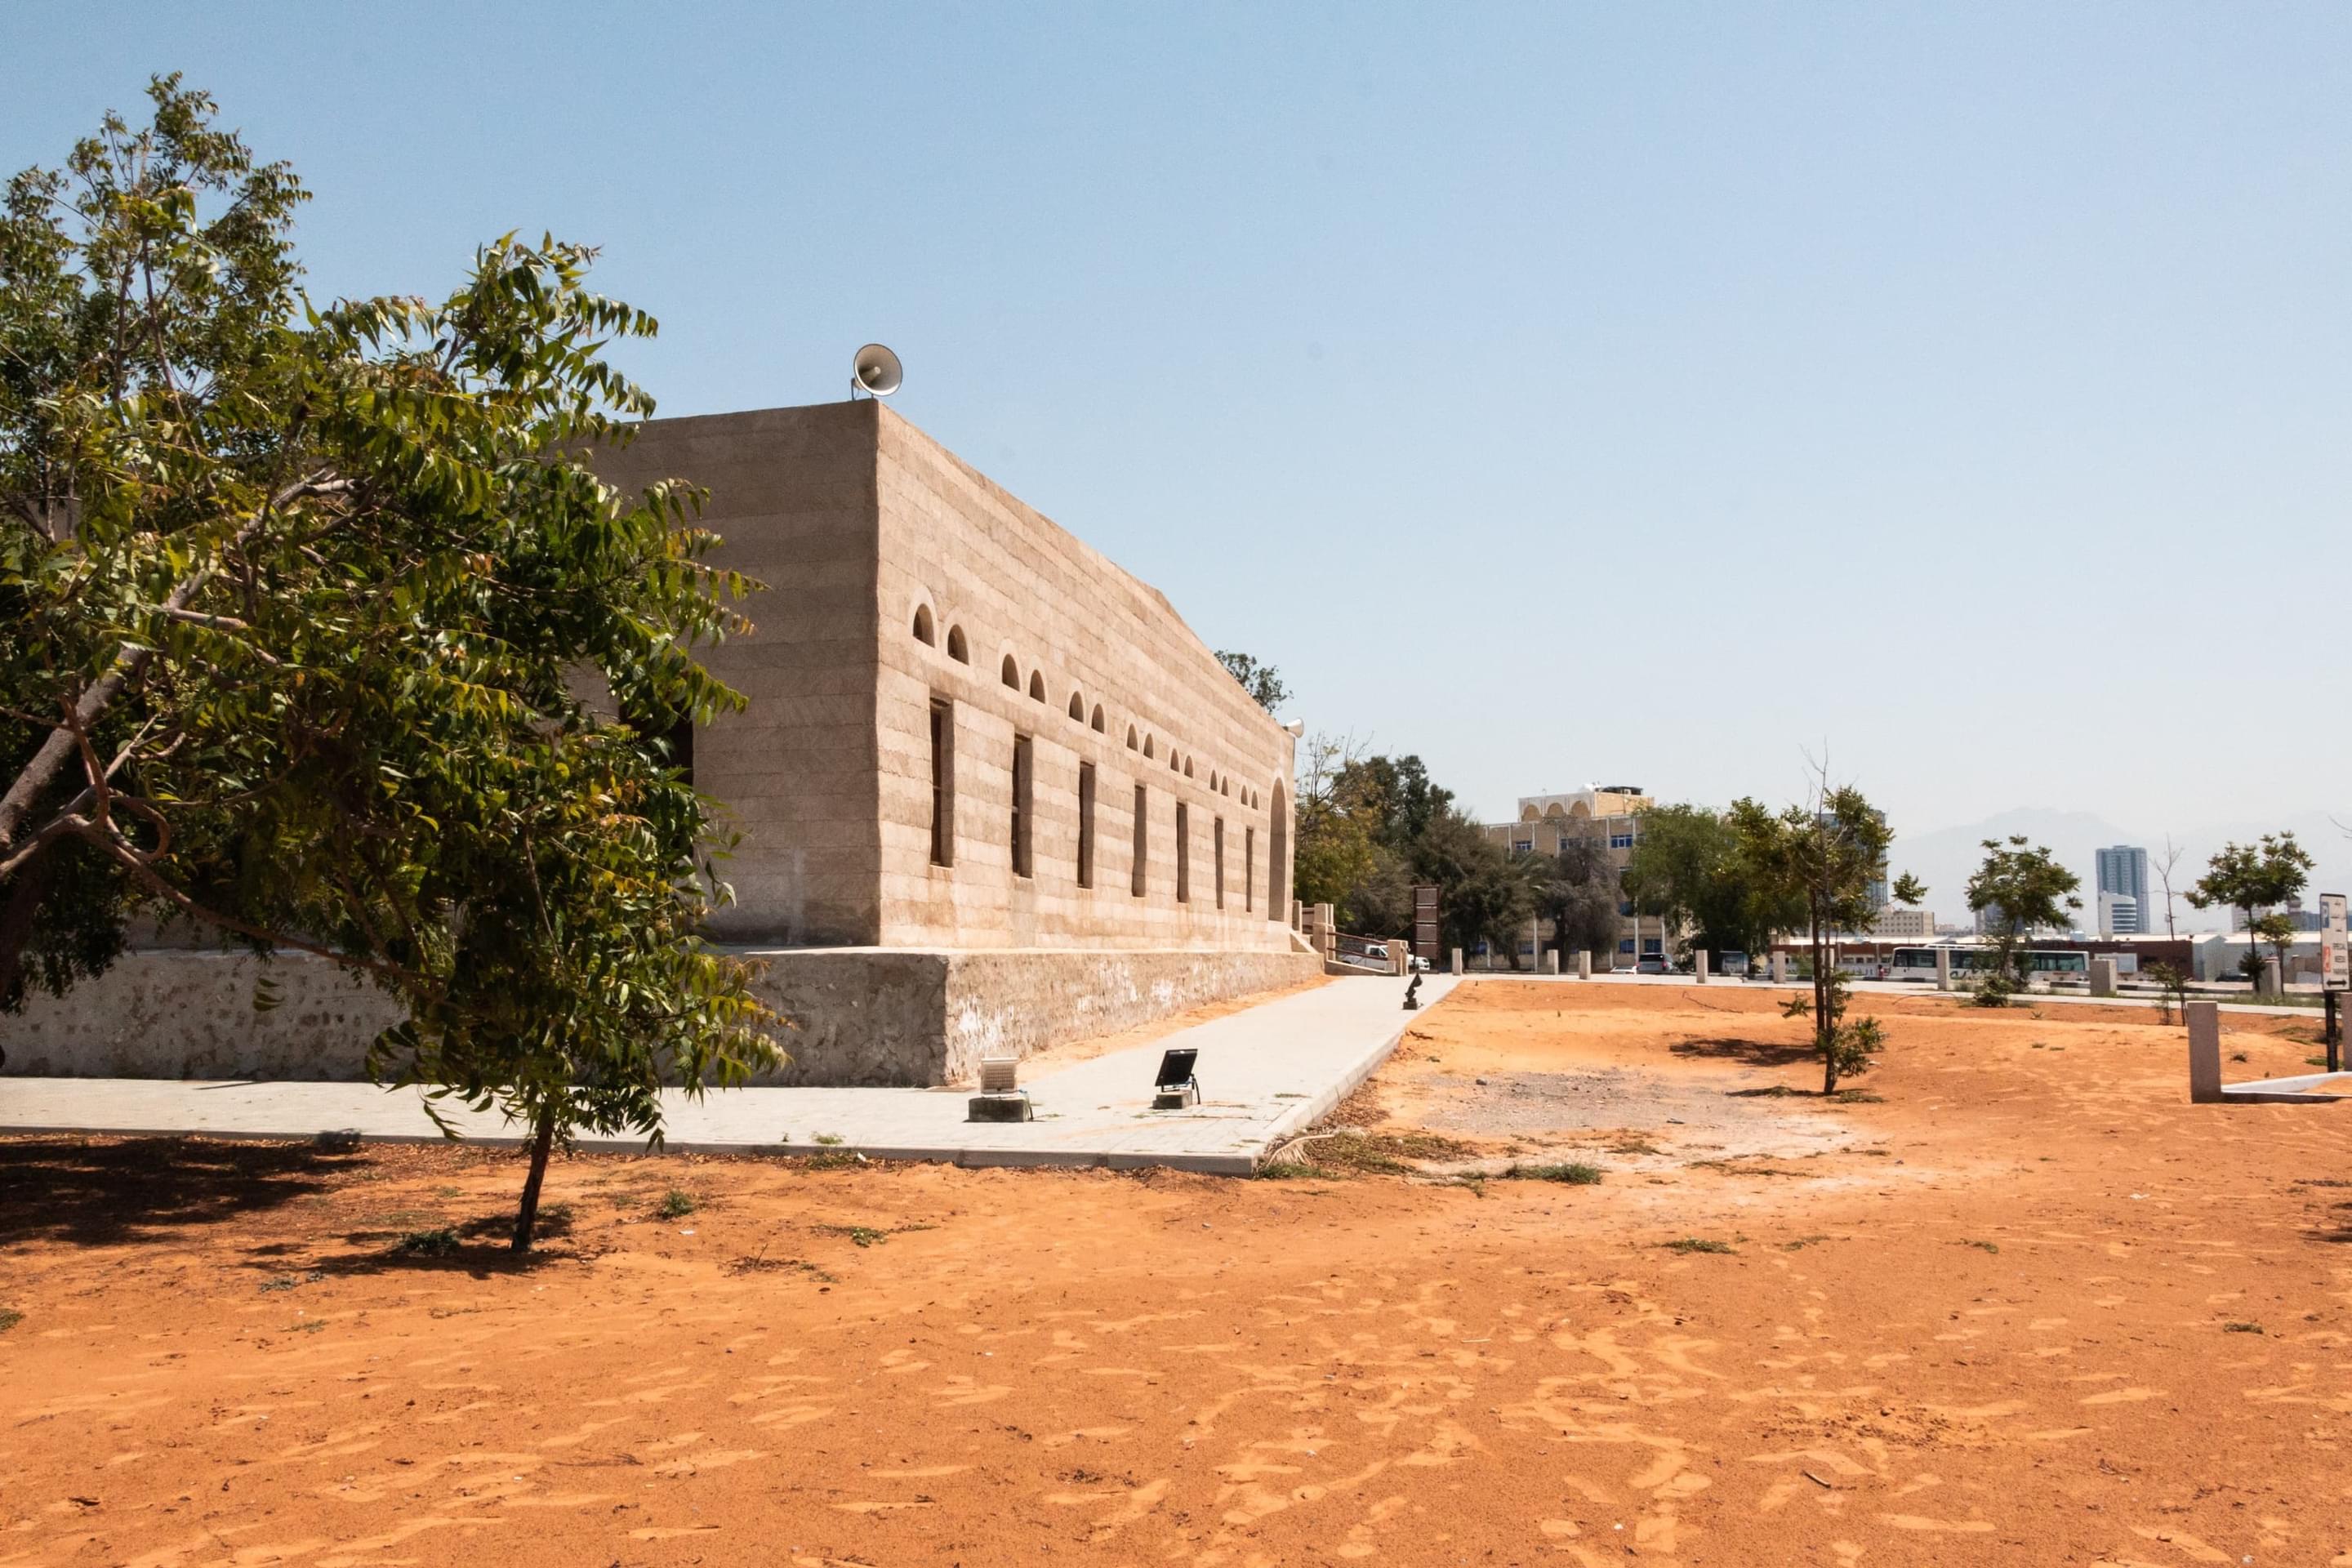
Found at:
(1264, 1072)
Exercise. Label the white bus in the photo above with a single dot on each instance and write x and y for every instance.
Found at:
(1919, 963)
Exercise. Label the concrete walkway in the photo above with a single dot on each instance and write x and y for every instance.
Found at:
(1264, 1072)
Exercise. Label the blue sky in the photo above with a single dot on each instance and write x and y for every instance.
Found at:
(1633, 394)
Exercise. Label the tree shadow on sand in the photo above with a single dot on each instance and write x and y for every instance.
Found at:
(129, 1189)
(1750, 1053)
(477, 1246)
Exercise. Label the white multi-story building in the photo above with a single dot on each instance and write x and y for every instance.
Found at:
(2125, 907)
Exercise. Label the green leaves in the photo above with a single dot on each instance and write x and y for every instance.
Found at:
(2025, 888)
(297, 603)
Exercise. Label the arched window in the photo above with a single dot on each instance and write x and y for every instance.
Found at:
(1036, 687)
(958, 650)
(1188, 767)
(1077, 708)
(922, 623)
(1011, 673)
(1098, 719)
(1147, 745)
(1130, 732)
(1175, 763)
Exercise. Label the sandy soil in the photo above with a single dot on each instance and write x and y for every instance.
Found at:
(2024, 1306)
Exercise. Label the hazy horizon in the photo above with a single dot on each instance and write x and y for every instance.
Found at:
(1558, 393)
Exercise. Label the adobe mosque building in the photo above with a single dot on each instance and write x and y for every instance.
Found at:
(992, 790)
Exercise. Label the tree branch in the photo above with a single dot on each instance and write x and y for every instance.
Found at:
(40, 772)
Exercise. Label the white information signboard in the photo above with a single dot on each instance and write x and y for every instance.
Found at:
(2335, 944)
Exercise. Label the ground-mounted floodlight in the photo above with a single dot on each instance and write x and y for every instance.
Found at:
(1175, 1087)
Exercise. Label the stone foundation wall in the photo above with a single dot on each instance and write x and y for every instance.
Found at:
(862, 1015)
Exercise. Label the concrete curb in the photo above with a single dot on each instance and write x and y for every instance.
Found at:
(1311, 1110)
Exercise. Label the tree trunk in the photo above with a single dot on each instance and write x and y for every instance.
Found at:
(1824, 1027)
(19, 907)
(543, 1138)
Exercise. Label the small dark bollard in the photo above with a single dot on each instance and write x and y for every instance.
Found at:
(1412, 994)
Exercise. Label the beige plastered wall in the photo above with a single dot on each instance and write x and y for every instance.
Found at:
(1097, 659)
(791, 494)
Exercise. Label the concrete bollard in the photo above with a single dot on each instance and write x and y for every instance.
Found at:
(2204, 1052)
(2273, 982)
(1779, 969)
(1551, 960)
(1584, 964)
(1943, 969)
(1698, 966)
(1457, 961)
(2103, 977)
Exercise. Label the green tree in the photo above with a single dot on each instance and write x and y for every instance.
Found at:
(1400, 792)
(1578, 892)
(299, 603)
(1689, 867)
(2175, 982)
(1262, 681)
(2020, 887)
(1823, 856)
(2278, 930)
(1909, 891)
(2250, 879)
(1337, 846)
(1485, 893)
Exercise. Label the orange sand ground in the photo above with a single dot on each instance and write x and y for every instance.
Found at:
(1984, 1320)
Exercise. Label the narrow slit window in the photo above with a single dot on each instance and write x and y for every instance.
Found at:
(1023, 767)
(1249, 868)
(942, 782)
(1183, 856)
(1142, 842)
(1086, 824)
(1217, 857)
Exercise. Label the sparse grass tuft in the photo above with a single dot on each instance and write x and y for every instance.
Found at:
(437, 1243)
(870, 1236)
(2242, 1328)
(9, 1319)
(1575, 1173)
(1801, 1243)
(833, 1159)
(676, 1204)
(1983, 1245)
(1349, 1151)
(1695, 1244)
(1856, 1096)
(1633, 1146)
(763, 1264)
(828, 1139)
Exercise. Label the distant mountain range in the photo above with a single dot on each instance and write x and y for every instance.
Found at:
(1946, 858)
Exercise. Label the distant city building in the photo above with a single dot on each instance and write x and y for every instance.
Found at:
(2299, 917)
(2125, 907)
(1898, 925)
(1992, 923)
(1608, 813)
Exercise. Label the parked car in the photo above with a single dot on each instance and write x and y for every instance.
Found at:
(1655, 963)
